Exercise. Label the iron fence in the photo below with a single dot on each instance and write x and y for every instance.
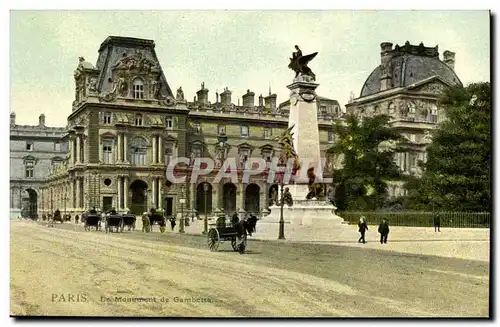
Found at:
(421, 219)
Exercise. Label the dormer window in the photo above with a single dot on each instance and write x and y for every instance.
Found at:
(434, 112)
(196, 128)
(138, 120)
(107, 118)
(138, 88)
(331, 137)
(29, 146)
(322, 109)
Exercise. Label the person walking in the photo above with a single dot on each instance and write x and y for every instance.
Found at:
(362, 229)
(437, 223)
(383, 229)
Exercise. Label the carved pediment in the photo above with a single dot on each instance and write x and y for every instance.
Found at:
(136, 62)
(434, 88)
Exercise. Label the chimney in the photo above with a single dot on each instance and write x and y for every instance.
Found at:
(13, 119)
(41, 120)
(449, 59)
(385, 66)
(216, 96)
(248, 99)
(202, 94)
(225, 98)
(271, 102)
(261, 101)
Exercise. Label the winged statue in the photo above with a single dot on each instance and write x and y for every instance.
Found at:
(298, 63)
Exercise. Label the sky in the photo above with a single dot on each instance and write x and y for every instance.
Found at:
(236, 49)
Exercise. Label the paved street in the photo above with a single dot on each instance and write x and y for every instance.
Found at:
(273, 279)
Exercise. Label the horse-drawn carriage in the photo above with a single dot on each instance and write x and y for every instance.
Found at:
(57, 217)
(236, 232)
(91, 219)
(113, 221)
(129, 221)
(157, 217)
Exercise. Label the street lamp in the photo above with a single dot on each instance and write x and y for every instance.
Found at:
(182, 201)
(205, 223)
(281, 234)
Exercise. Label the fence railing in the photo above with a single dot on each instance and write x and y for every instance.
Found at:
(421, 219)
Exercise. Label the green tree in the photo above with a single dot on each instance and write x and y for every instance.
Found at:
(367, 162)
(457, 173)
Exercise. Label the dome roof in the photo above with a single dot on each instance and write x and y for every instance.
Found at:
(408, 69)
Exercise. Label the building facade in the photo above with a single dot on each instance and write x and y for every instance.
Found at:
(126, 126)
(407, 85)
(34, 152)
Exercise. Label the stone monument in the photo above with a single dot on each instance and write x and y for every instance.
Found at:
(303, 123)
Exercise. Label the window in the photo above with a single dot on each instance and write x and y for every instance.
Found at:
(56, 163)
(268, 132)
(138, 151)
(221, 129)
(244, 131)
(244, 155)
(196, 128)
(29, 146)
(413, 160)
(412, 137)
(322, 109)
(138, 89)
(57, 146)
(29, 169)
(106, 118)
(331, 137)
(169, 123)
(267, 155)
(168, 153)
(434, 112)
(138, 120)
(107, 151)
(196, 152)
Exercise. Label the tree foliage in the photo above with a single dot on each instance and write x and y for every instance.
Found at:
(367, 162)
(457, 173)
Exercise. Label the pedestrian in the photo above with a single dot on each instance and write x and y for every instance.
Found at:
(235, 219)
(437, 222)
(241, 240)
(145, 223)
(362, 229)
(172, 222)
(383, 229)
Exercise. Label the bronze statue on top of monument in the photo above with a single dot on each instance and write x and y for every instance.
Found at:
(298, 63)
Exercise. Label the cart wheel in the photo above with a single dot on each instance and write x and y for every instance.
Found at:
(233, 243)
(213, 239)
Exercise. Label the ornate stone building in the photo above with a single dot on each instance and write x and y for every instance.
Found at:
(406, 85)
(127, 125)
(34, 152)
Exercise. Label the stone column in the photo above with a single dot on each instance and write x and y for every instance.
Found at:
(80, 193)
(101, 159)
(125, 192)
(153, 191)
(160, 201)
(71, 150)
(263, 201)
(78, 145)
(192, 195)
(85, 150)
(70, 194)
(119, 148)
(154, 150)
(125, 148)
(215, 196)
(119, 192)
(160, 149)
(240, 196)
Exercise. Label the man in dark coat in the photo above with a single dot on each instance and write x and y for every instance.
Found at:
(241, 241)
(437, 222)
(362, 229)
(383, 229)
(235, 219)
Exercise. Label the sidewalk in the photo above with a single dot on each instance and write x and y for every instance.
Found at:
(464, 243)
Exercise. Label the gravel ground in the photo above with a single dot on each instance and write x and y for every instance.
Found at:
(66, 271)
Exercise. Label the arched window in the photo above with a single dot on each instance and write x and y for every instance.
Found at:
(29, 166)
(138, 120)
(138, 88)
(138, 151)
